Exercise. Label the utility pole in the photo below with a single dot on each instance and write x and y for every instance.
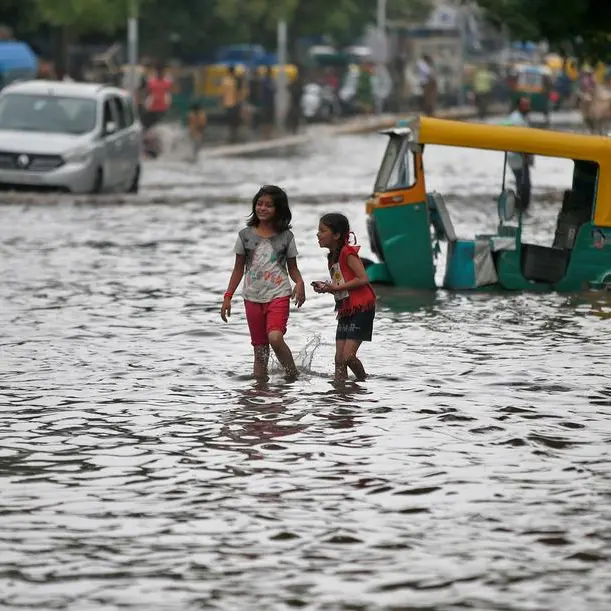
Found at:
(463, 43)
(132, 46)
(382, 42)
(281, 80)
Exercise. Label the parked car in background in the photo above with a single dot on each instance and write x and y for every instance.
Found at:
(78, 137)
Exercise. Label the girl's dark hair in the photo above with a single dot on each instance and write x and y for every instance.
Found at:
(283, 216)
(337, 223)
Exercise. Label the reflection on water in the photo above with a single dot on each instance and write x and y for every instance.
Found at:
(142, 467)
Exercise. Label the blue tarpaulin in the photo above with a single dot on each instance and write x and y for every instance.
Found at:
(17, 56)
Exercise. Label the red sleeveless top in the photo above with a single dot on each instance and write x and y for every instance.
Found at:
(354, 300)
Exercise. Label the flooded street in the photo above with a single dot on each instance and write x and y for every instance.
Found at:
(142, 468)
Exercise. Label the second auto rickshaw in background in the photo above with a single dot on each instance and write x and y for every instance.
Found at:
(534, 82)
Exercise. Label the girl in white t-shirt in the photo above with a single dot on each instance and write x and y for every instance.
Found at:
(266, 256)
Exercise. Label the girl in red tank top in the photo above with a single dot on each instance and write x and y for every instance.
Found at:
(354, 298)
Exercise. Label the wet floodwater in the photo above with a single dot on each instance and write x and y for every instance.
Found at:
(142, 468)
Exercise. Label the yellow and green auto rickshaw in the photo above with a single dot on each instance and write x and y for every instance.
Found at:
(534, 82)
(405, 222)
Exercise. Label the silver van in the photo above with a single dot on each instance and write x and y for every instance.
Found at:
(79, 137)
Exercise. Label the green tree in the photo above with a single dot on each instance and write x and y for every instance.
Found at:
(202, 25)
(20, 15)
(84, 15)
(409, 10)
(571, 26)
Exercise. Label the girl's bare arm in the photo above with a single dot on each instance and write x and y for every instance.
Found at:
(295, 274)
(357, 267)
(234, 282)
(236, 274)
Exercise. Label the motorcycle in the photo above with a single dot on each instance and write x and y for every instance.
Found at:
(319, 103)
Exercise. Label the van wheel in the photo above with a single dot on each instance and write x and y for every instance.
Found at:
(98, 183)
(135, 186)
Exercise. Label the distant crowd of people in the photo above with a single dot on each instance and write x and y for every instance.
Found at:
(249, 99)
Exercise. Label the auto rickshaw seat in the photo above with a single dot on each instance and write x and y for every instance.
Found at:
(468, 262)
(576, 210)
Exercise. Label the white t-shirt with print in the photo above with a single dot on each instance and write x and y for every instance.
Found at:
(265, 279)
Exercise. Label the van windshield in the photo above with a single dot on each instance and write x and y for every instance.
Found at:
(47, 113)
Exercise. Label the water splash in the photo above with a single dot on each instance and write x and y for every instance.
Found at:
(306, 355)
(303, 359)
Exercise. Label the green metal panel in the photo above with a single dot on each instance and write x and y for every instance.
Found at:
(405, 238)
(539, 102)
(378, 274)
(590, 264)
(509, 272)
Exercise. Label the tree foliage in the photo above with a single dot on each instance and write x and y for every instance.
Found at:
(202, 25)
(83, 15)
(581, 27)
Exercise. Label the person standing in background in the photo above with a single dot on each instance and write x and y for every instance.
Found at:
(428, 82)
(197, 120)
(519, 163)
(230, 99)
(159, 97)
(268, 102)
(295, 94)
(482, 88)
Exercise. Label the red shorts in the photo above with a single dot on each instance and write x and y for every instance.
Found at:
(265, 317)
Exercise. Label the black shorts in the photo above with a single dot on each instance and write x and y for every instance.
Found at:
(357, 326)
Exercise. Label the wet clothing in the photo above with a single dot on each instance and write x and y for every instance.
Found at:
(263, 318)
(266, 277)
(359, 299)
(357, 326)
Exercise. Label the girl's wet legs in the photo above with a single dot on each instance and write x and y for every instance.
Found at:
(345, 357)
(283, 353)
(357, 368)
(261, 361)
(352, 361)
(341, 370)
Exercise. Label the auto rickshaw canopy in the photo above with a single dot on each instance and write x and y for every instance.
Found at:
(548, 143)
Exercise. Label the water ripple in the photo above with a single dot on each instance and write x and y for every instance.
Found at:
(142, 468)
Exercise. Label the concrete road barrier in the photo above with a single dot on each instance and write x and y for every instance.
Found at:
(356, 125)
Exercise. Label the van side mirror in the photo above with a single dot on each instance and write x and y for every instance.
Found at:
(110, 128)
